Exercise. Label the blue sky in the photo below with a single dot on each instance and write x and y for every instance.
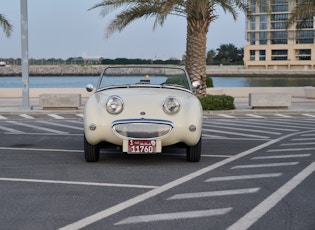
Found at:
(62, 29)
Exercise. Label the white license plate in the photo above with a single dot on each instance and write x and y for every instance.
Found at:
(142, 146)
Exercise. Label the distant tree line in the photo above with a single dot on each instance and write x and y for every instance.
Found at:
(226, 54)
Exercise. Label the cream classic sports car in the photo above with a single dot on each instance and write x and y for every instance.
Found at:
(141, 110)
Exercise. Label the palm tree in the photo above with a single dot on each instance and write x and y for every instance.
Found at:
(7, 27)
(198, 13)
(303, 12)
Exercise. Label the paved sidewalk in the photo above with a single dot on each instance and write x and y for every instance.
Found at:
(299, 106)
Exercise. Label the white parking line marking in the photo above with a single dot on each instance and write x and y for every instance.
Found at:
(247, 130)
(80, 115)
(306, 143)
(174, 216)
(77, 183)
(308, 115)
(281, 156)
(61, 125)
(282, 115)
(26, 116)
(154, 192)
(234, 133)
(41, 150)
(37, 127)
(226, 116)
(287, 150)
(244, 177)
(264, 165)
(10, 130)
(254, 115)
(2, 117)
(223, 156)
(214, 193)
(56, 116)
(303, 139)
(260, 210)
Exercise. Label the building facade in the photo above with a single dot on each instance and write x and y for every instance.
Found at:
(271, 45)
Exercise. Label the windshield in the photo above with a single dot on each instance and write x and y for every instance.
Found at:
(144, 77)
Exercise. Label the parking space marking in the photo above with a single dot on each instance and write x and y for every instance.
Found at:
(260, 210)
(264, 165)
(80, 115)
(214, 193)
(10, 130)
(235, 133)
(26, 116)
(61, 125)
(78, 183)
(244, 177)
(308, 115)
(281, 156)
(283, 115)
(2, 118)
(287, 150)
(226, 116)
(154, 192)
(303, 139)
(254, 115)
(174, 216)
(56, 116)
(41, 150)
(290, 144)
(37, 127)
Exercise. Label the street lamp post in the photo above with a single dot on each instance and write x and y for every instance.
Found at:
(25, 64)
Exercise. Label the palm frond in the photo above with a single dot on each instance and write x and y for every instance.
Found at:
(7, 27)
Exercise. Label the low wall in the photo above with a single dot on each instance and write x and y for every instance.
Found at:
(245, 91)
(235, 92)
(35, 92)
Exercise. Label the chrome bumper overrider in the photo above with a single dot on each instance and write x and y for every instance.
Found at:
(142, 128)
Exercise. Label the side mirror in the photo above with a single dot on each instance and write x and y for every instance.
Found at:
(89, 88)
(195, 85)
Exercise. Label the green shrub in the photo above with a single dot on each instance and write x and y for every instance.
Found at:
(217, 102)
(209, 82)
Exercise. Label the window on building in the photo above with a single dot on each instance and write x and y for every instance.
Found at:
(279, 37)
(252, 23)
(279, 55)
(253, 6)
(252, 55)
(252, 38)
(263, 22)
(263, 38)
(278, 25)
(303, 54)
(305, 37)
(262, 55)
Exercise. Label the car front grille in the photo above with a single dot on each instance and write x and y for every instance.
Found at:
(142, 128)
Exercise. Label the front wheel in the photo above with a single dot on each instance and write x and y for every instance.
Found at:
(91, 152)
(193, 153)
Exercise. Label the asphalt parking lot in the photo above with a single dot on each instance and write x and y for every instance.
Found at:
(255, 173)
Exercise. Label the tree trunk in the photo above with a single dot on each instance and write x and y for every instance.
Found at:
(196, 52)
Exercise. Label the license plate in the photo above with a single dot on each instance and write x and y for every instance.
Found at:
(142, 146)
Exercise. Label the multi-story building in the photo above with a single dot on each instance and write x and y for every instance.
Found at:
(271, 45)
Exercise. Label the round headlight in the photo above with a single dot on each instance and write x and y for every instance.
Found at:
(171, 105)
(114, 104)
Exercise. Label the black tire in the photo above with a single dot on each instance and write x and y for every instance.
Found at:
(91, 152)
(193, 153)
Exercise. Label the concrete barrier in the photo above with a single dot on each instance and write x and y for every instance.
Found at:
(269, 100)
(60, 101)
(309, 92)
